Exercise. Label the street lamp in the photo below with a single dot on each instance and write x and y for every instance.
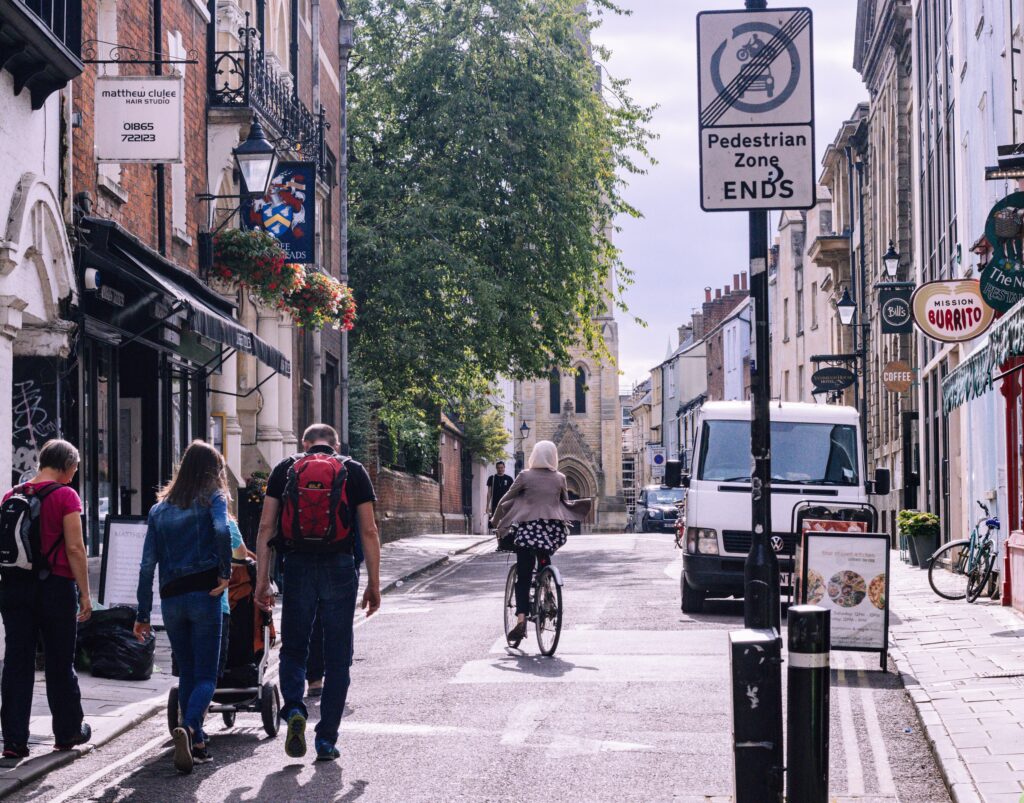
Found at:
(524, 431)
(256, 159)
(846, 307)
(891, 261)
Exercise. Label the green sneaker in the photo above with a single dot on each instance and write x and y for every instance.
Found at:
(295, 738)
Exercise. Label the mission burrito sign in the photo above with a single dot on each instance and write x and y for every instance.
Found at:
(951, 311)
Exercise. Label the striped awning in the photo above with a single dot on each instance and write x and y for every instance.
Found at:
(973, 377)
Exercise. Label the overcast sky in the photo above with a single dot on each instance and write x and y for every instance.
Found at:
(677, 249)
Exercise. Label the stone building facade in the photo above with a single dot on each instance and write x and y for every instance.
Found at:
(577, 407)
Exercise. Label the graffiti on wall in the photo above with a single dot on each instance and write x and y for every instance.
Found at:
(34, 411)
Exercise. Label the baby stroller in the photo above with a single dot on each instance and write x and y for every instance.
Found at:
(243, 686)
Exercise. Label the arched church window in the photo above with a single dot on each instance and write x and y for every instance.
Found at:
(555, 391)
(581, 390)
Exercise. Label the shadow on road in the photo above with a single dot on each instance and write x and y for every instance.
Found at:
(538, 665)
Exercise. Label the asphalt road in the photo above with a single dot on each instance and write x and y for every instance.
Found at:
(634, 706)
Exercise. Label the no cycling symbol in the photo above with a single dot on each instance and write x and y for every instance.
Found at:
(756, 67)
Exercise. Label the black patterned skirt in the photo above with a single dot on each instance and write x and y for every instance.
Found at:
(546, 535)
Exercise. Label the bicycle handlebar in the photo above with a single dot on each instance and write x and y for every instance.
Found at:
(983, 506)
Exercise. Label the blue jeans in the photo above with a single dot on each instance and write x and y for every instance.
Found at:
(315, 663)
(193, 624)
(317, 586)
(31, 608)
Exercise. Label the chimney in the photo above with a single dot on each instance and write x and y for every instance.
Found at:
(726, 291)
(697, 321)
(707, 294)
(743, 280)
(685, 332)
(735, 281)
(718, 294)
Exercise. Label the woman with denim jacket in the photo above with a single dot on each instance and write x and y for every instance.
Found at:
(188, 539)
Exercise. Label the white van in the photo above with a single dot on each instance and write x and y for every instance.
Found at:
(815, 455)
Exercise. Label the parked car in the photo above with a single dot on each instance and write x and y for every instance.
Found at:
(657, 508)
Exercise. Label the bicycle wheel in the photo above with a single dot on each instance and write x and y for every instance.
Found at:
(947, 574)
(978, 577)
(509, 605)
(549, 611)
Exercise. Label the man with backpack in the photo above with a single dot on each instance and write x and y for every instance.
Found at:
(316, 504)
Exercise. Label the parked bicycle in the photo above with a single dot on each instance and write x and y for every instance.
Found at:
(963, 568)
(545, 605)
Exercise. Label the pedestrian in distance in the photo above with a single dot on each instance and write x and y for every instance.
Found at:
(497, 486)
(317, 504)
(188, 538)
(44, 592)
(534, 517)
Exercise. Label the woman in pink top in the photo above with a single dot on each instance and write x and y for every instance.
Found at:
(51, 606)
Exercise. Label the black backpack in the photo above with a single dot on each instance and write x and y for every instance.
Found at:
(20, 539)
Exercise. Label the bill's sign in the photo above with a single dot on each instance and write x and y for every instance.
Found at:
(756, 91)
(951, 311)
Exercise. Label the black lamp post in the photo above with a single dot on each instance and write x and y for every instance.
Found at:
(847, 308)
(524, 433)
(891, 261)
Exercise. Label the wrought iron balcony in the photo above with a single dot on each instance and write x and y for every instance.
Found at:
(40, 44)
(243, 79)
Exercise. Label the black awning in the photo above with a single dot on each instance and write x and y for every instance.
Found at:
(207, 313)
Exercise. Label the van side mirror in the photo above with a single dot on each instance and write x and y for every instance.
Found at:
(673, 473)
(684, 481)
(882, 483)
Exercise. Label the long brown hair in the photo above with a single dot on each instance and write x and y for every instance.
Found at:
(201, 475)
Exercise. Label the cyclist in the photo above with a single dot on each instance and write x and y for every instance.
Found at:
(535, 514)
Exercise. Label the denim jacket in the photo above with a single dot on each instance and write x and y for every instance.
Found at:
(183, 542)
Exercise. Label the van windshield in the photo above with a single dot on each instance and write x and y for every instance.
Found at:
(802, 453)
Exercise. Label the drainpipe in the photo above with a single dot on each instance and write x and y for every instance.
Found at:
(314, 65)
(158, 68)
(344, 50)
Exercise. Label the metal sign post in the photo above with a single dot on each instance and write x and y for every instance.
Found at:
(756, 97)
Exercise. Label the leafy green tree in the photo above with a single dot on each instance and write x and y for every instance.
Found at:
(485, 179)
(484, 433)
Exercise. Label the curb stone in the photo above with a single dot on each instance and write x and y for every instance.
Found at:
(139, 712)
(953, 768)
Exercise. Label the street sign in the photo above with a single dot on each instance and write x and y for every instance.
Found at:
(895, 310)
(952, 310)
(833, 378)
(656, 456)
(139, 118)
(756, 97)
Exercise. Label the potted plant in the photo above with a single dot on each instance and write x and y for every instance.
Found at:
(255, 260)
(321, 300)
(922, 532)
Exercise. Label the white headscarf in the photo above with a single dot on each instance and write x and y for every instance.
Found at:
(544, 455)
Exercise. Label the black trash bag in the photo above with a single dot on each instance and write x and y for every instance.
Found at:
(108, 647)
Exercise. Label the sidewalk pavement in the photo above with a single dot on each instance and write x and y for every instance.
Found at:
(963, 666)
(113, 707)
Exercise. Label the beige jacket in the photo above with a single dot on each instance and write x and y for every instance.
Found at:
(538, 493)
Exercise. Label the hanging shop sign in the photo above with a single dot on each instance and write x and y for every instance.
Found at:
(756, 105)
(139, 119)
(895, 310)
(1002, 277)
(833, 378)
(897, 376)
(288, 210)
(952, 310)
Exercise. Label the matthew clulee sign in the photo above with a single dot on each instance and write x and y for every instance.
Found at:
(756, 109)
(139, 119)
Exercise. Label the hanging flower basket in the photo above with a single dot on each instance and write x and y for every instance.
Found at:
(255, 260)
(320, 301)
(256, 487)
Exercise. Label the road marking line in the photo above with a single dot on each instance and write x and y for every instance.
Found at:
(91, 781)
(851, 747)
(883, 769)
(524, 721)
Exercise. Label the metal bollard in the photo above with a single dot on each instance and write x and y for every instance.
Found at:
(807, 719)
(755, 658)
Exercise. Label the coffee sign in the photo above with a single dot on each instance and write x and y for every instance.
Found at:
(897, 376)
(831, 379)
(895, 310)
(952, 311)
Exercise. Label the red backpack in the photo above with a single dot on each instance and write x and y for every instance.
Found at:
(315, 515)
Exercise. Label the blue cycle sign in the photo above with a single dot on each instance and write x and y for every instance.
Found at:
(756, 93)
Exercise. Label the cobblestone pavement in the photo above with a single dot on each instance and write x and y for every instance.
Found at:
(964, 668)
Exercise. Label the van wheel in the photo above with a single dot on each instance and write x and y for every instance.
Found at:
(693, 600)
